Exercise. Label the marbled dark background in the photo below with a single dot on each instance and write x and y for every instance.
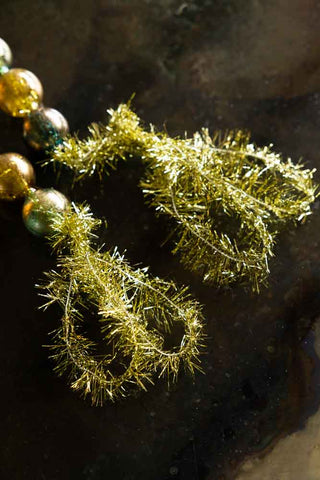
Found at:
(218, 63)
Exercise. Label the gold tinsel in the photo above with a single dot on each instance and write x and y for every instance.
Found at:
(227, 196)
(136, 315)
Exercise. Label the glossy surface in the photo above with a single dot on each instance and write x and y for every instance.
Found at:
(16, 176)
(223, 64)
(5, 56)
(45, 128)
(39, 207)
(20, 92)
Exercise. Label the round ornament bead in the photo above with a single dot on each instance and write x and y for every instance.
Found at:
(20, 92)
(45, 128)
(16, 176)
(5, 56)
(39, 209)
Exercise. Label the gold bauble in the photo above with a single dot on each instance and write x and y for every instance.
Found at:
(16, 176)
(20, 92)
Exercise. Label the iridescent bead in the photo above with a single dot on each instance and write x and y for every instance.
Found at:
(16, 176)
(5, 56)
(20, 92)
(39, 209)
(45, 128)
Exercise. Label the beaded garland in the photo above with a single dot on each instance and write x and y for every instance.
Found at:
(21, 95)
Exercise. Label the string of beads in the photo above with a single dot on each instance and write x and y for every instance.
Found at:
(21, 95)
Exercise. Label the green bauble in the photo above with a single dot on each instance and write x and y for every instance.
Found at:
(39, 208)
(45, 128)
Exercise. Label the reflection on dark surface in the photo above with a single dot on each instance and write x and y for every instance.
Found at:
(222, 64)
(295, 455)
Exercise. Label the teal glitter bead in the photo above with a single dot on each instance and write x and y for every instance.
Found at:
(45, 128)
(5, 57)
(39, 208)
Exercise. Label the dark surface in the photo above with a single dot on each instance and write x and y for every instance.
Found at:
(221, 64)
